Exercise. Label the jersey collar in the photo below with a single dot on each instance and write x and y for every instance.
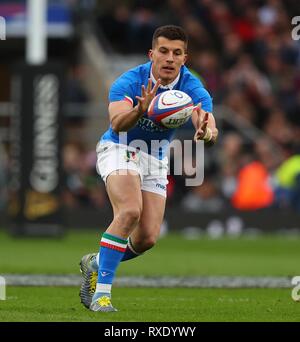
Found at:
(169, 86)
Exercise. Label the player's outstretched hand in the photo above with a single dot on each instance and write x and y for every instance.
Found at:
(147, 95)
(202, 122)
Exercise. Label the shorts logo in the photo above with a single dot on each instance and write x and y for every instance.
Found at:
(163, 187)
(131, 156)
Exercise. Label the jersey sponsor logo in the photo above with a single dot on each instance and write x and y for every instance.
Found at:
(149, 126)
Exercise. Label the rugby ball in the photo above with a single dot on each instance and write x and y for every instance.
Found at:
(171, 109)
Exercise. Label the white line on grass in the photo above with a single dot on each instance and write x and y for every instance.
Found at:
(196, 282)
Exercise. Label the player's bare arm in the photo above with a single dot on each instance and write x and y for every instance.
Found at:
(124, 116)
(205, 126)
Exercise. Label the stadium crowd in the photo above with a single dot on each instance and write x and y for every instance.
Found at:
(244, 53)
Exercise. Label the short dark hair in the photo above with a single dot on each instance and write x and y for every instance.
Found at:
(171, 32)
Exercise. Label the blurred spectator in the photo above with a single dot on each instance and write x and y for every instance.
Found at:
(77, 100)
(278, 128)
(142, 23)
(207, 66)
(269, 154)
(204, 198)
(287, 189)
(230, 162)
(246, 76)
(232, 49)
(75, 91)
(83, 188)
(198, 35)
(115, 24)
(253, 189)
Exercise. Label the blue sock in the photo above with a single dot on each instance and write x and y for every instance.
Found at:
(130, 253)
(112, 249)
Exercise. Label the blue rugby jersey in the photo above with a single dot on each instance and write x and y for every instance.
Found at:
(129, 85)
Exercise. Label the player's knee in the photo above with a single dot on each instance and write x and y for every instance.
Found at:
(129, 216)
(149, 243)
(146, 243)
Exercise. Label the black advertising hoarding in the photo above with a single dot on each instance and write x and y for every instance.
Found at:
(35, 206)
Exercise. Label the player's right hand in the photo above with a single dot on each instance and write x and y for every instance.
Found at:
(147, 96)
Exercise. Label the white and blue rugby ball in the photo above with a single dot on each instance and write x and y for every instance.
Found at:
(171, 109)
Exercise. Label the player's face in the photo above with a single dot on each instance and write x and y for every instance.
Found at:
(167, 57)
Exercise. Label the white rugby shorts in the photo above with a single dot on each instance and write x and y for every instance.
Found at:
(152, 171)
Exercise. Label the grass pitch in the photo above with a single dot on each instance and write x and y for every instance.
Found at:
(36, 304)
(173, 256)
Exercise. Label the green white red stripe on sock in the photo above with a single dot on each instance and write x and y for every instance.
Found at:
(113, 242)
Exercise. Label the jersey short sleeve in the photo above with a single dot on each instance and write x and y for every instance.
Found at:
(123, 89)
(203, 96)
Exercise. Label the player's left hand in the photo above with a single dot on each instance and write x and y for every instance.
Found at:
(202, 122)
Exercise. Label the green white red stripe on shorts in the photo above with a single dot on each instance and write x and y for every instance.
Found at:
(113, 242)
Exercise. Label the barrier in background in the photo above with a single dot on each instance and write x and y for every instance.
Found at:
(229, 222)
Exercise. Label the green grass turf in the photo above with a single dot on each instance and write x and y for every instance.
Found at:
(173, 255)
(152, 305)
